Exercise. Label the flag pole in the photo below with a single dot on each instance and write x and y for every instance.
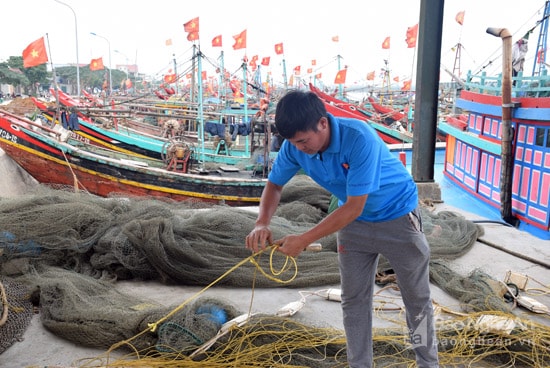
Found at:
(176, 72)
(221, 86)
(245, 87)
(284, 73)
(340, 85)
(199, 99)
(56, 93)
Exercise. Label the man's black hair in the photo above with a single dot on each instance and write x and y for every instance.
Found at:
(298, 111)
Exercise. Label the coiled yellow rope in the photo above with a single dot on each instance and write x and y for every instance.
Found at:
(152, 327)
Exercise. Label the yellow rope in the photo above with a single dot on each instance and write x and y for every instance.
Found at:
(466, 339)
(4, 305)
(76, 182)
(152, 327)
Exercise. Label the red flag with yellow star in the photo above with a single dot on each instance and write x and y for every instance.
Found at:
(97, 64)
(412, 33)
(35, 54)
(340, 77)
(240, 41)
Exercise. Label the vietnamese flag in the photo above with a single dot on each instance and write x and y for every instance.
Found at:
(192, 29)
(97, 64)
(35, 54)
(297, 70)
(412, 33)
(370, 76)
(386, 43)
(340, 77)
(279, 48)
(406, 85)
(217, 41)
(170, 78)
(240, 41)
(192, 25)
(265, 61)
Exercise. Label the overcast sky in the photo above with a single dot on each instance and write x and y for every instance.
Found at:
(138, 32)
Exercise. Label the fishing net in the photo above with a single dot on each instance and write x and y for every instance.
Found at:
(16, 311)
(476, 292)
(70, 249)
(139, 238)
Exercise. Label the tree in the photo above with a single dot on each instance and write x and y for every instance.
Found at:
(12, 72)
(29, 79)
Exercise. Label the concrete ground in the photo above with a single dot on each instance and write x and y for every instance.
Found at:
(501, 249)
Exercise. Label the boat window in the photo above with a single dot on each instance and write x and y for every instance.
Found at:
(548, 138)
(540, 135)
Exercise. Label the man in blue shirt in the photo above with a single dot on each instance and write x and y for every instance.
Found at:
(377, 214)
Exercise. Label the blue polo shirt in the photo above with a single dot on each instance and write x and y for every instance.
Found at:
(356, 162)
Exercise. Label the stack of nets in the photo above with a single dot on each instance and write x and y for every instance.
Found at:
(146, 239)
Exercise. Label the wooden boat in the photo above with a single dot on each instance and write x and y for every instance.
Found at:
(352, 109)
(336, 107)
(502, 155)
(399, 119)
(386, 112)
(60, 157)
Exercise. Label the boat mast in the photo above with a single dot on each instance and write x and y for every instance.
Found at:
(221, 86)
(200, 103)
(175, 73)
(245, 88)
(386, 81)
(340, 85)
(192, 89)
(539, 63)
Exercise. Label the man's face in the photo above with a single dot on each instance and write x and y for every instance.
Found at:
(311, 142)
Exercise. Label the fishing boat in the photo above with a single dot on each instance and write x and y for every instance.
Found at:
(59, 157)
(388, 113)
(228, 137)
(499, 152)
(337, 107)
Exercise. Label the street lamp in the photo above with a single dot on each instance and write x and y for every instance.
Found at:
(76, 37)
(127, 61)
(110, 75)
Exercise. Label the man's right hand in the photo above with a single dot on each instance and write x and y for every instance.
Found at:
(259, 238)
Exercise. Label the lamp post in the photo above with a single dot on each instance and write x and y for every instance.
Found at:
(127, 61)
(76, 38)
(110, 75)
